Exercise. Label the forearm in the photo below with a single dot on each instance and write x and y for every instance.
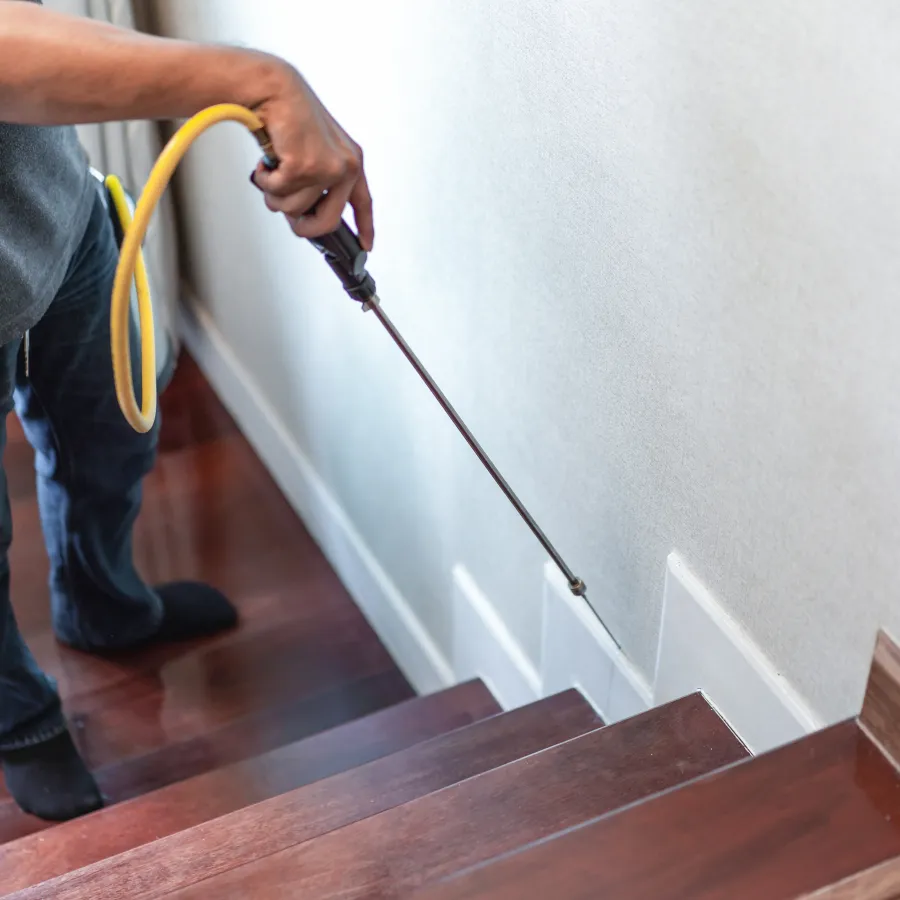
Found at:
(57, 69)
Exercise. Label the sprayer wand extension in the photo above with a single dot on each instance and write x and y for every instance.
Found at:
(347, 259)
(576, 585)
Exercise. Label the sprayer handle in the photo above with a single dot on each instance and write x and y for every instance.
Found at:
(341, 248)
(342, 251)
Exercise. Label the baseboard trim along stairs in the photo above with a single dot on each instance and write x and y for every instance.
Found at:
(700, 646)
(489, 651)
(399, 628)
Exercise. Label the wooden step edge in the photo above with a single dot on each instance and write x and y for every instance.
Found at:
(526, 800)
(122, 827)
(880, 714)
(202, 852)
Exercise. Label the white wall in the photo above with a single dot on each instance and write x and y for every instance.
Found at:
(651, 252)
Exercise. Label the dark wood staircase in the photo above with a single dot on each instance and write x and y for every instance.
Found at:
(376, 806)
(291, 759)
(445, 796)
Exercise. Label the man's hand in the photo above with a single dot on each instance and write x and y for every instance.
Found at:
(316, 157)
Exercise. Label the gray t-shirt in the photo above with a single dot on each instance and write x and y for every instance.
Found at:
(46, 197)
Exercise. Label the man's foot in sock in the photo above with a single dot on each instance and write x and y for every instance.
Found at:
(50, 779)
(192, 610)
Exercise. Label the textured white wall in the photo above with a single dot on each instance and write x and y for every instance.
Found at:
(652, 251)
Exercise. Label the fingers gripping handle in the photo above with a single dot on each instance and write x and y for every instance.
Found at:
(341, 248)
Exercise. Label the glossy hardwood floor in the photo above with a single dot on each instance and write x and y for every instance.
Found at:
(303, 658)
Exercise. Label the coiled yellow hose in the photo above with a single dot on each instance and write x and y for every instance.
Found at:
(131, 267)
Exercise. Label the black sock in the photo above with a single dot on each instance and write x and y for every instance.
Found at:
(50, 779)
(192, 610)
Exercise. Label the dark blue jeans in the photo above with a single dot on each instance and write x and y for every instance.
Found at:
(89, 465)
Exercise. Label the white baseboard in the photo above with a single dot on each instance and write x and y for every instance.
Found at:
(398, 627)
(577, 651)
(484, 648)
(702, 648)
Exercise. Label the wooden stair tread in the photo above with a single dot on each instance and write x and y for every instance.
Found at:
(113, 830)
(257, 732)
(526, 800)
(214, 847)
(781, 826)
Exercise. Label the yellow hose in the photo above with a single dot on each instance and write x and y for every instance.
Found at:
(131, 267)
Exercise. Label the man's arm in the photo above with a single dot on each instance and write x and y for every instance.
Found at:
(57, 69)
